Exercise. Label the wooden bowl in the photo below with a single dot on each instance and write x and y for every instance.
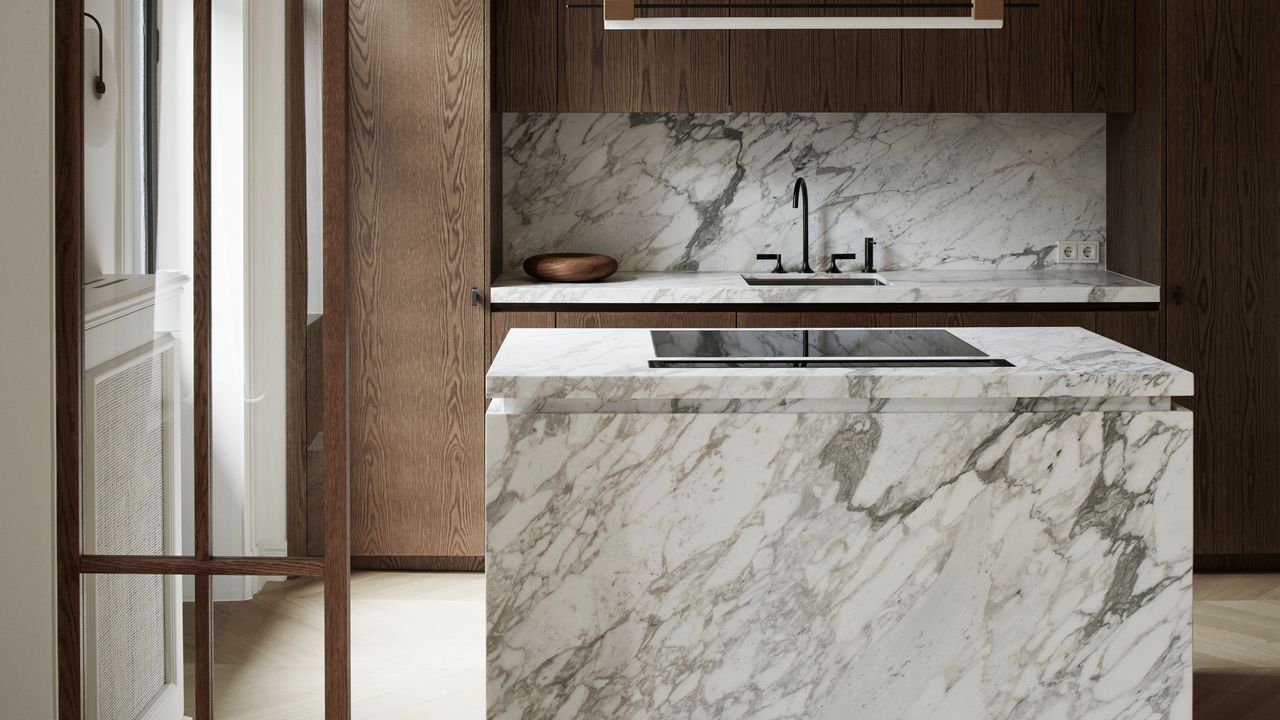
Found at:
(570, 267)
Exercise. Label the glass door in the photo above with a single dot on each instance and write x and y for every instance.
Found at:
(202, 469)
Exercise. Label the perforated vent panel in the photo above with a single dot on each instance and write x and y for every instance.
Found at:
(130, 642)
(129, 461)
(128, 517)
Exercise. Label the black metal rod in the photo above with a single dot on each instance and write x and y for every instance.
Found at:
(99, 85)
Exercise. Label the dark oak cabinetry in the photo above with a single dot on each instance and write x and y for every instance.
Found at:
(1192, 94)
(1223, 220)
(1061, 56)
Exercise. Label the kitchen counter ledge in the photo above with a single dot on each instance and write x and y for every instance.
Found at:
(919, 286)
(612, 365)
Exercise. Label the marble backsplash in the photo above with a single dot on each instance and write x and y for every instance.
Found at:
(689, 192)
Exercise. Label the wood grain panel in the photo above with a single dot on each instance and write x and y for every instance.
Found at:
(500, 323)
(816, 70)
(1103, 75)
(645, 320)
(419, 198)
(524, 55)
(1024, 67)
(201, 282)
(295, 279)
(339, 34)
(202, 651)
(640, 70)
(1224, 202)
(202, 361)
(801, 319)
(68, 271)
(1142, 330)
(1136, 159)
(218, 565)
(429, 563)
(1011, 318)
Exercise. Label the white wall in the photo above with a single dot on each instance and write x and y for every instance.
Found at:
(264, 281)
(26, 361)
(103, 146)
(248, 285)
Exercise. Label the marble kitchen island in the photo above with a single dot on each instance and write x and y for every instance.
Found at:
(981, 541)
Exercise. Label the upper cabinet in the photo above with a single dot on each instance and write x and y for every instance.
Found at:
(816, 70)
(1023, 67)
(1105, 49)
(1054, 56)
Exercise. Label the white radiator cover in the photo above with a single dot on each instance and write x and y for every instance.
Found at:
(132, 623)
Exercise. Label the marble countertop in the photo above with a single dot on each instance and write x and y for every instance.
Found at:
(919, 286)
(605, 364)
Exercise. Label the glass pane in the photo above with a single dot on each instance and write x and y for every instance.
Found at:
(133, 647)
(268, 650)
(137, 445)
(266, 447)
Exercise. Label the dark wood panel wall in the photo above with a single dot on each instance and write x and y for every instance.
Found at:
(1136, 158)
(419, 203)
(1223, 215)
(1062, 56)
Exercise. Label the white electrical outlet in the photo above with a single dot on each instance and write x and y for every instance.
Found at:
(1069, 252)
(1088, 252)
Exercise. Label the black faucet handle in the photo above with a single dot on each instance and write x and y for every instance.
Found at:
(840, 256)
(776, 257)
(869, 253)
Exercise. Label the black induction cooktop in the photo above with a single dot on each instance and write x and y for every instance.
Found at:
(816, 348)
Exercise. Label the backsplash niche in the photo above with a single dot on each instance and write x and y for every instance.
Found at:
(707, 191)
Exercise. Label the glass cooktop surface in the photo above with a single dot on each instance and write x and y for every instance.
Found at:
(815, 348)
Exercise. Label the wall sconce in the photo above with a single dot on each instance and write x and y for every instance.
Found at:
(99, 85)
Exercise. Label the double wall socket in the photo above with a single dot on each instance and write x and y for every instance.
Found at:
(1085, 251)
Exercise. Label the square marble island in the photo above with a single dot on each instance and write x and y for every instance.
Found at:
(844, 533)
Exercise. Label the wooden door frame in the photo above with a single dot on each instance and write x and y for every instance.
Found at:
(335, 568)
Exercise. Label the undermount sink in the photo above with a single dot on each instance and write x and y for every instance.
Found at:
(785, 279)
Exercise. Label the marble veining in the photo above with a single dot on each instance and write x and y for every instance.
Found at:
(706, 192)
(612, 365)
(816, 566)
(904, 286)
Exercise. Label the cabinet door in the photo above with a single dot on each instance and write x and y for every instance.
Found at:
(1222, 276)
(816, 70)
(645, 319)
(1023, 67)
(640, 70)
(524, 55)
(802, 319)
(1009, 318)
(1103, 32)
(419, 206)
(500, 323)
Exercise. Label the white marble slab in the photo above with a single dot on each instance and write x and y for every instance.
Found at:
(707, 191)
(922, 286)
(825, 566)
(612, 365)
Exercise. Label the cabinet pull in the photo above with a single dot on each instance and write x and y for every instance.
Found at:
(475, 297)
(1177, 295)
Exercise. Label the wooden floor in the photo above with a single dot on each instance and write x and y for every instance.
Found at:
(1237, 647)
(418, 649)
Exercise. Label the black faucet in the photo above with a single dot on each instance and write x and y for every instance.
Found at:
(801, 195)
(869, 256)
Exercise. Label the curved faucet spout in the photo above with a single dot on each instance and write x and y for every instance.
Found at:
(799, 198)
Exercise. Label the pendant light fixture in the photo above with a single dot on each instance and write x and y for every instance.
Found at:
(984, 15)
